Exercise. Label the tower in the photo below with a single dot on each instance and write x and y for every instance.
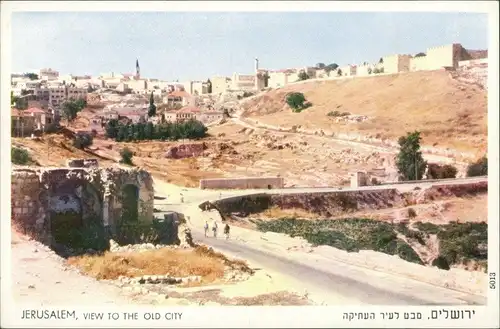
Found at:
(256, 65)
(137, 69)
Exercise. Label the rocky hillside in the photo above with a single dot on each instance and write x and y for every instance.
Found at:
(449, 113)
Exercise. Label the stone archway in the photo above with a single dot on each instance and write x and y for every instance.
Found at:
(130, 203)
(74, 206)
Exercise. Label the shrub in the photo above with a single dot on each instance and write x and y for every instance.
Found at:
(412, 213)
(478, 168)
(338, 114)
(126, 156)
(296, 101)
(83, 140)
(435, 171)
(441, 263)
(20, 156)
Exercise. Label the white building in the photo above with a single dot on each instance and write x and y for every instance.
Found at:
(48, 74)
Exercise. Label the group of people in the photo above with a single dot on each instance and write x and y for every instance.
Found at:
(215, 226)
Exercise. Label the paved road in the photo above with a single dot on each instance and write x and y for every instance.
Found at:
(338, 283)
(334, 281)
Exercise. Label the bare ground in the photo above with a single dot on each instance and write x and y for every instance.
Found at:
(447, 112)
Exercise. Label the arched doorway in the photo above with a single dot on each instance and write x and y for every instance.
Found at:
(130, 204)
(75, 207)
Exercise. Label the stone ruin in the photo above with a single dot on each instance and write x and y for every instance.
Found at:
(103, 195)
(82, 163)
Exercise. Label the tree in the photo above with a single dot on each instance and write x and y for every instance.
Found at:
(331, 67)
(152, 106)
(339, 73)
(83, 140)
(31, 76)
(112, 127)
(478, 168)
(420, 55)
(209, 86)
(381, 60)
(409, 161)
(126, 156)
(303, 76)
(436, 171)
(320, 65)
(296, 101)
(148, 131)
(70, 108)
(20, 156)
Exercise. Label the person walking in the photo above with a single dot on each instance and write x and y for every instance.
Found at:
(206, 228)
(214, 228)
(226, 231)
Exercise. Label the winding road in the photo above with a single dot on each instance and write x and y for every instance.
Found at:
(327, 281)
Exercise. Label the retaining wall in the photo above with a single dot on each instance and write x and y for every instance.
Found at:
(243, 183)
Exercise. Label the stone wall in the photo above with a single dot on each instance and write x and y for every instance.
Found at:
(242, 183)
(321, 203)
(38, 195)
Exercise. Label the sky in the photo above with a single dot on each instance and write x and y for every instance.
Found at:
(196, 45)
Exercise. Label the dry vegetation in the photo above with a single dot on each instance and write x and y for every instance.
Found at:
(201, 261)
(448, 113)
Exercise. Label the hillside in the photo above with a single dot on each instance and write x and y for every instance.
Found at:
(449, 114)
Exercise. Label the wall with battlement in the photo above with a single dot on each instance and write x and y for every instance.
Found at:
(418, 63)
(396, 63)
(443, 56)
(38, 195)
(242, 183)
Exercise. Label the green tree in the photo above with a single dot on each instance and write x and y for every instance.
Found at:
(12, 98)
(409, 161)
(152, 106)
(296, 101)
(420, 55)
(331, 67)
(122, 133)
(478, 168)
(112, 127)
(126, 156)
(69, 110)
(339, 73)
(31, 76)
(83, 140)
(381, 60)
(303, 76)
(209, 86)
(20, 156)
(320, 65)
(148, 131)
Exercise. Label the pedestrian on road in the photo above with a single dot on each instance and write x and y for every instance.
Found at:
(206, 228)
(214, 228)
(226, 231)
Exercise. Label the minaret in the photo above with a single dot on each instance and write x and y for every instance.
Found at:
(137, 69)
(256, 65)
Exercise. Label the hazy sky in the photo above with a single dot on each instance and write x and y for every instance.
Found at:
(199, 45)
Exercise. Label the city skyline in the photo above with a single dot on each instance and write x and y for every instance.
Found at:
(197, 46)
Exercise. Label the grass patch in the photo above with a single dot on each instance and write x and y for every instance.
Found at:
(201, 261)
(462, 243)
(352, 234)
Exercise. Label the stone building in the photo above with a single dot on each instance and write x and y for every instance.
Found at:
(44, 199)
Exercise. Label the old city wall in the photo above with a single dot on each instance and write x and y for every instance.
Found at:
(396, 63)
(38, 195)
(242, 183)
